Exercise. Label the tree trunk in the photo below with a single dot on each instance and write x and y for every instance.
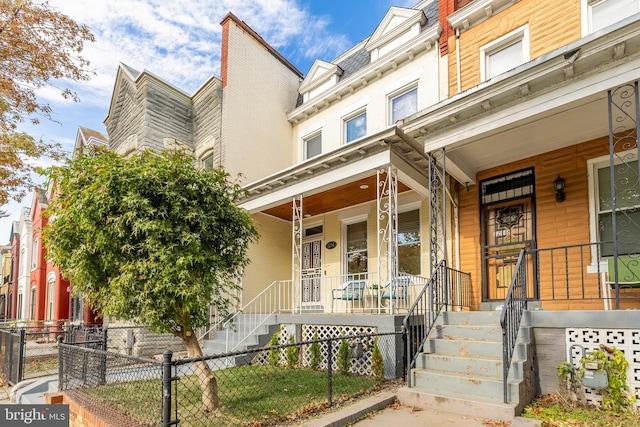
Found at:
(208, 383)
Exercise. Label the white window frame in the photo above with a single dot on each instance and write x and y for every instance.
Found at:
(593, 165)
(345, 121)
(345, 244)
(51, 296)
(33, 294)
(518, 35)
(409, 208)
(586, 12)
(34, 254)
(203, 162)
(397, 94)
(308, 138)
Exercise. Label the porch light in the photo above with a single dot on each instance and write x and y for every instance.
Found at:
(558, 185)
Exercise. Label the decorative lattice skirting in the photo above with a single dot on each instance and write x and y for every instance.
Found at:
(626, 340)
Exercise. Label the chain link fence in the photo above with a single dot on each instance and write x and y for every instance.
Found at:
(258, 387)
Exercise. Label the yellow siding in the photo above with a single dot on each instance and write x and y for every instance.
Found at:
(552, 24)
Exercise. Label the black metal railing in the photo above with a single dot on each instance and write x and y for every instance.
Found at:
(512, 311)
(447, 289)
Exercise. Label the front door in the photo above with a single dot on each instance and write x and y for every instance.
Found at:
(311, 272)
(508, 226)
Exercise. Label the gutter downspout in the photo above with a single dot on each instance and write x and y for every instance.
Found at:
(458, 60)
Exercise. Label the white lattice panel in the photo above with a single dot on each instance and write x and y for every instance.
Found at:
(626, 340)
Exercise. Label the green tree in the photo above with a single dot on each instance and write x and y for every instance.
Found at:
(344, 357)
(152, 239)
(315, 357)
(274, 353)
(39, 46)
(292, 353)
(377, 361)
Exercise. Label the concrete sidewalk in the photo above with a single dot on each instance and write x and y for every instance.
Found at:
(383, 410)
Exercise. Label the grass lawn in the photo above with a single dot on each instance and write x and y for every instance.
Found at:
(249, 395)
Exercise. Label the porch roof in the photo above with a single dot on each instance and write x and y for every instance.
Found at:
(556, 100)
(336, 179)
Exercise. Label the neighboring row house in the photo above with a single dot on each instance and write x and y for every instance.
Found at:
(37, 294)
(472, 158)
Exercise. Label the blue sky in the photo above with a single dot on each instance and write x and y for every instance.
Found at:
(179, 41)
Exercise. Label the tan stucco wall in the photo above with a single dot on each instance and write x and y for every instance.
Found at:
(552, 24)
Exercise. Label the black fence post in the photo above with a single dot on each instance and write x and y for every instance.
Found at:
(329, 373)
(103, 358)
(167, 379)
(21, 355)
(60, 365)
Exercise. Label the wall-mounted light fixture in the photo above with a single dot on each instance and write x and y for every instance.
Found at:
(558, 185)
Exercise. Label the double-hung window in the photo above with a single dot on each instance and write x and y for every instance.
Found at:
(505, 53)
(626, 188)
(403, 104)
(598, 14)
(312, 145)
(51, 293)
(34, 253)
(357, 258)
(409, 242)
(355, 126)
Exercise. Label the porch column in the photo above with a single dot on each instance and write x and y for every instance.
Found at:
(296, 253)
(438, 214)
(387, 228)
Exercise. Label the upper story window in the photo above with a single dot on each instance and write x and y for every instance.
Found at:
(627, 194)
(312, 145)
(598, 14)
(505, 53)
(51, 293)
(34, 254)
(355, 126)
(207, 163)
(403, 104)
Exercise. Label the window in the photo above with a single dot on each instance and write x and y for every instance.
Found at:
(19, 307)
(409, 242)
(598, 14)
(207, 163)
(505, 53)
(32, 312)
(627, 192)
(404, 104)
(34, 254)
(24, 261)
(357, 248)
(312, 146)
(355, 127)
(51, 292)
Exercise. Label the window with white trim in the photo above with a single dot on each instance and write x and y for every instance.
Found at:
(355, 126)
(409, 242)
(627, 192)
(505, 53)
(403, 104)
(357, 257)
(598, 14)
(312, 145)
(207, 163)
(32, 301)
(34, 254)
(51, 293)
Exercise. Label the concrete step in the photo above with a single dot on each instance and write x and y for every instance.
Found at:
(487, 366)
(458, 403)
(470, 348)
(472, 386)
(476, 332)
(470, 318)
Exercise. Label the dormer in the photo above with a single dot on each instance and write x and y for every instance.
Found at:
(397, 27)
(477, 11)
(321, 77)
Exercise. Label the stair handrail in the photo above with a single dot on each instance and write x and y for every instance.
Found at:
(512, 311)
(427, 306)
(227, 321)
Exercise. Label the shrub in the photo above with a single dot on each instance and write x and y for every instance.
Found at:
(315, 353)
(377, 361)
(292, 353)
(274, 354)
(344, 357)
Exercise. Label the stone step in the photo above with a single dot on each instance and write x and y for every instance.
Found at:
(457, 403)
(473, 386)
(470, 318)
(470, 348)
(476, 332)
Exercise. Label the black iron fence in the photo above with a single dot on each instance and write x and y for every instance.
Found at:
(28, 352)
(263, 386)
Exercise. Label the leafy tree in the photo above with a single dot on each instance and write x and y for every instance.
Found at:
(377, 361)
(274, 353)
(152, 239)
(344, 357)
(37, 46)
